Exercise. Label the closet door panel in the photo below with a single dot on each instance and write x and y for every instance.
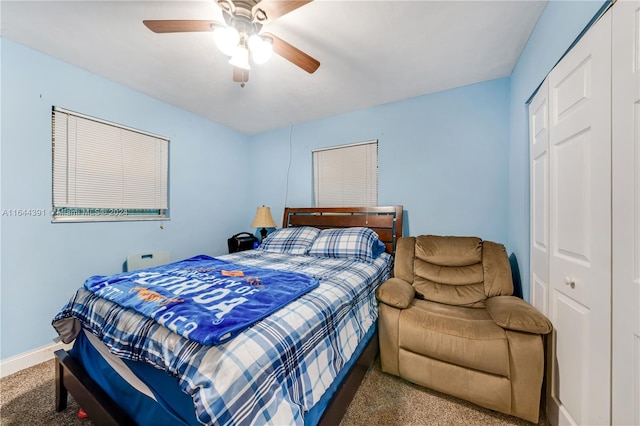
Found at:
(626, 213)
(572, 174)
(539, 170)
(580, 228)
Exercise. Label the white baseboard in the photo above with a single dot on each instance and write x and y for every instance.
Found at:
(29, 359)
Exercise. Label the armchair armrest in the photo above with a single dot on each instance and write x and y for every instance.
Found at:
(396, 292)
(513, 313)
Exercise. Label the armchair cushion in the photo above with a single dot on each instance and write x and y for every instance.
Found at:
(449, 269)
(448, 251)
(513, 313)
(396, 292)
(457, 335)
(497, 270)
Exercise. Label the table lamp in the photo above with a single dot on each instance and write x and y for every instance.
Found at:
(263, 220)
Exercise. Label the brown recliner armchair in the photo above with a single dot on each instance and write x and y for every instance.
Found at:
(448, 322)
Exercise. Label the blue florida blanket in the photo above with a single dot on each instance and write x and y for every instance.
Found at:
(204, 299)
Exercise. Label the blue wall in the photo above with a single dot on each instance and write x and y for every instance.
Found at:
(43, 263)
(457, 160)
(443, 156)
(560, 24)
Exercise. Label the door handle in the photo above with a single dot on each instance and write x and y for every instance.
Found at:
(571, 282)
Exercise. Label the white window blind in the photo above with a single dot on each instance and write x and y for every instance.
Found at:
(346, 175)
(106, 172)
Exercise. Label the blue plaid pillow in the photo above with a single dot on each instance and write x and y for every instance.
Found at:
(290, 240)
(346, 243)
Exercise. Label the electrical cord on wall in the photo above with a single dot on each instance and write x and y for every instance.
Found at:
(286, 185)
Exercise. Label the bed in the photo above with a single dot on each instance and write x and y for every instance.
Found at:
(322, 355)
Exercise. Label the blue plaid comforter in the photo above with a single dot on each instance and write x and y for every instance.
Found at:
(273, 372)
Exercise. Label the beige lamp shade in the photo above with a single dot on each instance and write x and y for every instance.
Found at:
(263, 218)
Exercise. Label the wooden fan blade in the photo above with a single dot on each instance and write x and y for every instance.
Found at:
(180, 26)
(240, 75)
(273, 9)
(293, 54)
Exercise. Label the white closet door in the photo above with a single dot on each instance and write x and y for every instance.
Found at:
(580, 229)
(626, 213)
(539, 171)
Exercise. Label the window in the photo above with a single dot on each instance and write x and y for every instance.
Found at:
(106, 172)
(346, 175)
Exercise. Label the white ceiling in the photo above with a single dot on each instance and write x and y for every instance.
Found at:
(371, 52)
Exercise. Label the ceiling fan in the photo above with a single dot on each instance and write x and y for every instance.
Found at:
(240, 34)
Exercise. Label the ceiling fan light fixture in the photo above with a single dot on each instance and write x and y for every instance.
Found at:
(226, 39)
(261, 48)
(239, 36)
(240, 58)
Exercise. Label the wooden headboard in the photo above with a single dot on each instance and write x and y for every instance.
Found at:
(386, 221)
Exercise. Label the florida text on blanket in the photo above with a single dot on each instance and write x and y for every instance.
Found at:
(202, 298)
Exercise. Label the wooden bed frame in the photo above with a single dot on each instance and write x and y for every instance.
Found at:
(71, 377)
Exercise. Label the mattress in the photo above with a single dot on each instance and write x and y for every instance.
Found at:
(276, 372)
(149, 396)
(153, 397)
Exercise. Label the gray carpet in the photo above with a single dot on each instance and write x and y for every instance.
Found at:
(27, 398)
(383, 399)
